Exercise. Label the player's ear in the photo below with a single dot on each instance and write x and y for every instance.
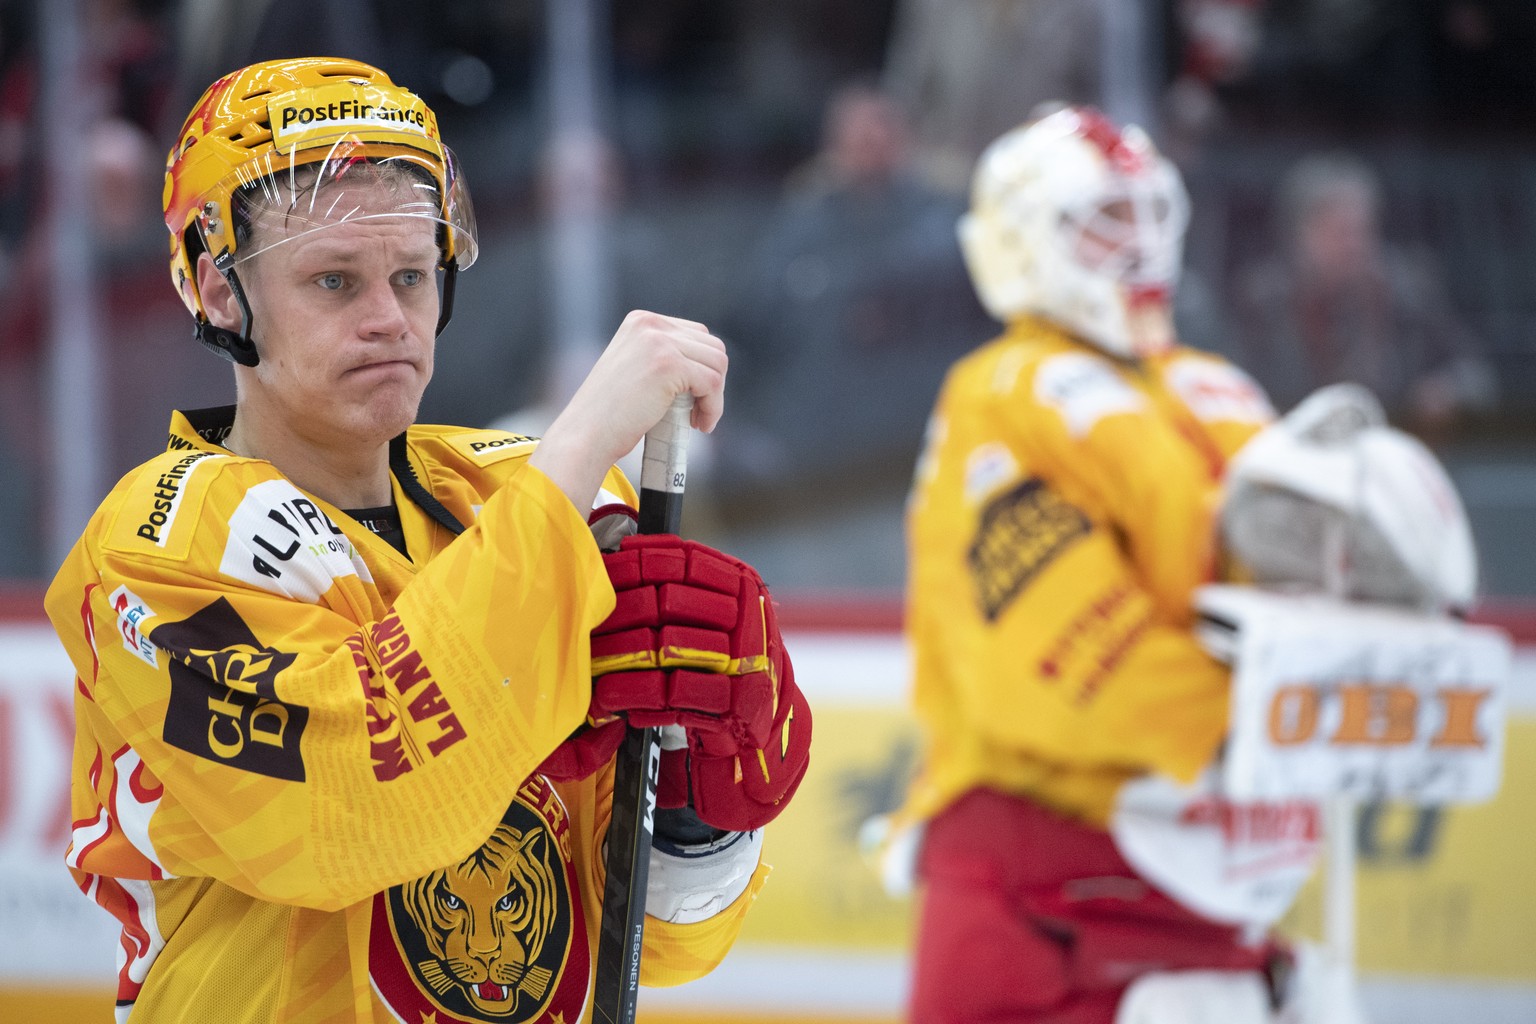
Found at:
(218, 297)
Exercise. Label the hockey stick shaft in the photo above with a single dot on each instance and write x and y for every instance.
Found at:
(663, 474)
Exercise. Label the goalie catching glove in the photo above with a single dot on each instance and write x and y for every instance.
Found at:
(1332, 499)
(693, 642)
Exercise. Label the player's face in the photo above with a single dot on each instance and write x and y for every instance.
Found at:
(345, 319)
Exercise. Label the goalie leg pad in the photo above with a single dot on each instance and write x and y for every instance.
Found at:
(1196, 997)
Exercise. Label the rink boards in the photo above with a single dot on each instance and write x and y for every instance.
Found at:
(1447, 903)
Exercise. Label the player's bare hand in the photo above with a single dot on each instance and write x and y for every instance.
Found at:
(651, 360)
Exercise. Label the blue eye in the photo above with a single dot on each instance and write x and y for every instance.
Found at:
(331, 282)
(411, 278)
(505, 903)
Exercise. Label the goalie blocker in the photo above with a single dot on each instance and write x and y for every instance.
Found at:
(1353, 674)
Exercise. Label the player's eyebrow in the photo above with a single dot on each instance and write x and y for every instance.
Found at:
(349, 255)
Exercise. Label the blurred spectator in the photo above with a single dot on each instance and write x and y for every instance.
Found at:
(1215, 41)
(502, 358)
(214, 37)
(969, 70)
(1458, 63)
(123, 88)
(855, 301)
(1338, 302)
(18, 131)
(143, 319)
(591, 248)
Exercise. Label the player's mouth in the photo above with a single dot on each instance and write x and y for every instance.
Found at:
(383, 370)
(383, 366)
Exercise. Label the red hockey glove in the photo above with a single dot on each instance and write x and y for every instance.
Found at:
(693, 642)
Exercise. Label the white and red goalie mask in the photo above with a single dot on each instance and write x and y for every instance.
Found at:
(1081, 222)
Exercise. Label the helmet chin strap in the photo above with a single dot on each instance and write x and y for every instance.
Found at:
(445, 308)
(238, 347)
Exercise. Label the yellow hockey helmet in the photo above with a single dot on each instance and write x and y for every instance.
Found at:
(282, 133)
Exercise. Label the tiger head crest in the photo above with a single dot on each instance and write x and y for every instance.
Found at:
(486, 922)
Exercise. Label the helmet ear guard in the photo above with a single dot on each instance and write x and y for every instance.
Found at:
(227, 344)
(236, 346)
(999, 275)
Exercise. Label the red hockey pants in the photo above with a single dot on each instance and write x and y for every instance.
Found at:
(1027, 917)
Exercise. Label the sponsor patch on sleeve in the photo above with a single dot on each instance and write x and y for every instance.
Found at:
(224, 705)
(399, 685)
(1084, 389)
(1021, 532)
(282, 542)
(1218, 392)
(488, 446)
(988, 467)
(1090, 647)
(132, 613)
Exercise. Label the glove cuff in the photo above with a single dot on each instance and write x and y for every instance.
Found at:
(694, 883)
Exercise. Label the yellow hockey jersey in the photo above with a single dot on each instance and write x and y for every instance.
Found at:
(1061, 516)
(304, 762)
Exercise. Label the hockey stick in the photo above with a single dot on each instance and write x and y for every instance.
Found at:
(663, 472)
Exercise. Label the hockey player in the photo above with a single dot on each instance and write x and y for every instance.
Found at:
(1062, 516)
(340, 755)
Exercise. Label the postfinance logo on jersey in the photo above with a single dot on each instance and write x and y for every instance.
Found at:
(308, 115)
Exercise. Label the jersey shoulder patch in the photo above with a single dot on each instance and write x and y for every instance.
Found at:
(1217, 391)
(988, 467)
(481, 447)
(1084, 389)
(158, 504)
(193, 506)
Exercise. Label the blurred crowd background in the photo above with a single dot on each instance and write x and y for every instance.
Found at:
(789, 172)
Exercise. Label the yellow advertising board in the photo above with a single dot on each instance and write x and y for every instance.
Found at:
(1444, 893)
(1448, 891)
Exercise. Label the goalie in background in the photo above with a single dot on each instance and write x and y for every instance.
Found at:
(1085, 475)
(1061, 519)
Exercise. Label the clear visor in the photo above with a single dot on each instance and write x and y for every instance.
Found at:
(286, 196)
(1131, 234)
